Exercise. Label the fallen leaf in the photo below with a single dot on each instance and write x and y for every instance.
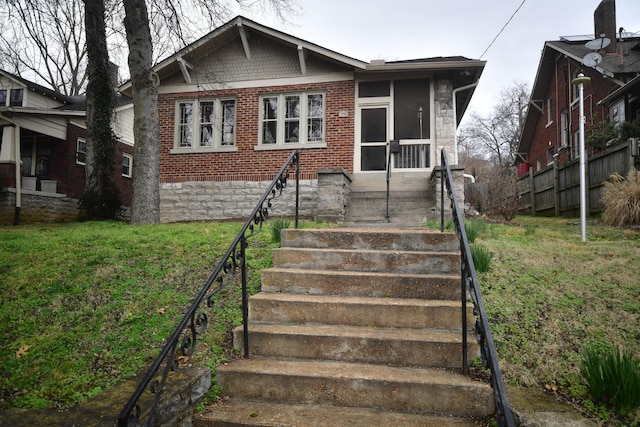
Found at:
(161, 310)
(23, 351)
(182, 359)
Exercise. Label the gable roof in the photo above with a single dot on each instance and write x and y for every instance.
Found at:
(34, 87)
(621, 72)
(467, 71)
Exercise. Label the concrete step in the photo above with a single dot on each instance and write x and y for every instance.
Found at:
(404, 262)
(366, 284)
(357, 311)
(259, 413)
(391, 238)
(404, 389)
(386, 346)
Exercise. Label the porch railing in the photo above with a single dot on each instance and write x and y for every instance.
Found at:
(471, 286)
(194, 323)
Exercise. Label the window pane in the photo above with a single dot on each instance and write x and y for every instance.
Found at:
(81, 152)
(315, 121)
(293, 107)
(411, 109)
(228, 122)
(3, 97)
(206, 123)
(16, 97)
(126, 166)
(373, 127)
(292, 119)
(269, 120)
(373, 89)
(186, 124)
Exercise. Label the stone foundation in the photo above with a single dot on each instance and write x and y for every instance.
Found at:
(37, 207)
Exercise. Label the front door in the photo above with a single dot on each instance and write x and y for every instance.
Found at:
(374, 134)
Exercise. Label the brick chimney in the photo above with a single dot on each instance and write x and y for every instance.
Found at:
(604, 19)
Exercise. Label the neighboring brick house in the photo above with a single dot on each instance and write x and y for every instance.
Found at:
(551, 126)
(234, 104)
(50, 128)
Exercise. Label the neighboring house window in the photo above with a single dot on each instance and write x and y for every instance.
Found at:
(292, 119)
(81, 151)
(127, 162)
(549, 111)
(16, 97)
(575, 88)
(550, 154)
(617, 114)
(3, 97)
(564, 128)
(203, 124)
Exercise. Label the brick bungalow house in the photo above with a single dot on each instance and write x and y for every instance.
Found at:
(234, 104)
(49, 129)
(611, 60)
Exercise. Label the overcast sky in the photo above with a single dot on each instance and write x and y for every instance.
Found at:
(410, 29)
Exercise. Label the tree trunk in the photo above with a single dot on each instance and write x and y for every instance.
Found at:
(145, 207)
(101, 199)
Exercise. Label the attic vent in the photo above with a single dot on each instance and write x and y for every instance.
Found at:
(378, 62)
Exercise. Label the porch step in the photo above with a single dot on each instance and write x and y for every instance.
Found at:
(409, 262)
(387, 346)
(251, 413)
(377, 312)
(361, 283)
(402, 389)
(405, 207)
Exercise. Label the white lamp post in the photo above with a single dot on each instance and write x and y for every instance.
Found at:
(580, 81)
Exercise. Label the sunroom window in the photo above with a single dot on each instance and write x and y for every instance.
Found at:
(205, 124)
(288, 119)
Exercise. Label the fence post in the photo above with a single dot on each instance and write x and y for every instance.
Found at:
(532, 188)
(556, 187)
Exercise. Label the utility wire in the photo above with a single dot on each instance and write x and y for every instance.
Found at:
(505, 26)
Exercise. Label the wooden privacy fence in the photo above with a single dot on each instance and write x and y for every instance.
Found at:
(555, 191)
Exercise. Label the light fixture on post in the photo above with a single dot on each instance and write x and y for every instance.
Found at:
(580, 81)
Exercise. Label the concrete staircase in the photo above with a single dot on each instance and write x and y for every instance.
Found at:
(410, 200)
(354, 327)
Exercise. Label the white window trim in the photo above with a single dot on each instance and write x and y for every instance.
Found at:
(78, 162)
(280, 120)
(549, 112)
(217, 141)
(130, 157)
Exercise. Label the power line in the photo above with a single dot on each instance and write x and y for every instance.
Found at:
(505, 26)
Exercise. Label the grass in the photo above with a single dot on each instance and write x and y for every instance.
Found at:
(85, 305)
(550, 296)
(88, 304)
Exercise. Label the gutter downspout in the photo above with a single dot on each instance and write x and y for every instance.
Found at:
(16, 152)
(455, 119)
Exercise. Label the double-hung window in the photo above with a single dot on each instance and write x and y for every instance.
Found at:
(127, 163)
(205, 125)
(292, 119)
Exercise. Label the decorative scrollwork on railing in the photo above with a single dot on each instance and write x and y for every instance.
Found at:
(183, 340)
(471, 285)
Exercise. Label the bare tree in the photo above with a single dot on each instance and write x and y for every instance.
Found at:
(497, 135)
(45, 42)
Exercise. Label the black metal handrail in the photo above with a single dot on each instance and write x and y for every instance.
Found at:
(194, 322)
(471, 285)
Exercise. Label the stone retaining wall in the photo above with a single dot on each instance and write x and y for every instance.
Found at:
(36, 207)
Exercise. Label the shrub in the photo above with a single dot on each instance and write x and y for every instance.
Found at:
(613, 378)
(481, 257)
(276, 225)
(621, 200)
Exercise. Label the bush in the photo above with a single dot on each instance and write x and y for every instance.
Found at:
(613, 378)
(276, 225)
(621, 200)
(481, 257)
